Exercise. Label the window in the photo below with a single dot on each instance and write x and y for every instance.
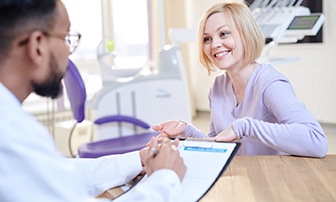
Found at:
(86, 18)
(130, 28)
(120, 24)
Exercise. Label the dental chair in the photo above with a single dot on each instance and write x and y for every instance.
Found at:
(76, 92)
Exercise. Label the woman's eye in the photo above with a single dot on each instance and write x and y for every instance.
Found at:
(224, 34)
(206, 40)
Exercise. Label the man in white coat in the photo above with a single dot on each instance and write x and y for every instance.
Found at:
(35, 42)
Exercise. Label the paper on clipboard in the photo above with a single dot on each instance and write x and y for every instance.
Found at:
(205, 161)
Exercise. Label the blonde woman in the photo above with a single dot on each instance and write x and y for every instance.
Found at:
(250, 102)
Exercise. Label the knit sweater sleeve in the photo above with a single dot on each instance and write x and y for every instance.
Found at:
(296, 132)
(192, 131)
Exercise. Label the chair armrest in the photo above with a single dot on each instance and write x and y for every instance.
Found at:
(122, 118)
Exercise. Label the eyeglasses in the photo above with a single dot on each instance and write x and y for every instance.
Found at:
(71, 38)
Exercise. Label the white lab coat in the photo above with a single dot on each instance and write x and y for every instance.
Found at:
(31, 169)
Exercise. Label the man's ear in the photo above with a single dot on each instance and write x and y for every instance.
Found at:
(37, 47)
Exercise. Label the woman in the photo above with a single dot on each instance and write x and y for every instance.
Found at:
(250, 102)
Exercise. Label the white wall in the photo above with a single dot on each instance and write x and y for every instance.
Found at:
(200, 81)
(313, 75)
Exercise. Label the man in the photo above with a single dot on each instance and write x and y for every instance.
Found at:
(35, 43)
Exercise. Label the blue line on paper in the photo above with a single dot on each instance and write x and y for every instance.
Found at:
(202, 149)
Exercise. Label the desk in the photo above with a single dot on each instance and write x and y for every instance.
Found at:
(276, 178)
(273, 178)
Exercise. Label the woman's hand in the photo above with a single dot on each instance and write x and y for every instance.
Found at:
(227, 135)
(170, 129)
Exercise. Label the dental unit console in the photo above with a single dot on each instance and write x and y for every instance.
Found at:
(286, 21)
(305, 25)
(152, 98)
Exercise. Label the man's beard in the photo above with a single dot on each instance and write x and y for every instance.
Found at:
(53, 87)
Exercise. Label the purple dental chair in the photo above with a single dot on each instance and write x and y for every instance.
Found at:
(76, 92)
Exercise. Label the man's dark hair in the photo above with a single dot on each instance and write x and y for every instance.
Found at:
(23, 16)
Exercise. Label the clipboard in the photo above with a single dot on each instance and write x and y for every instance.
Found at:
(200, 175)
(206, 160)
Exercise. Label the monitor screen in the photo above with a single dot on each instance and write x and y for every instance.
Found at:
(303, 22)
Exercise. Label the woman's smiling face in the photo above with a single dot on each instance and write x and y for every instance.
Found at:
(222, 42)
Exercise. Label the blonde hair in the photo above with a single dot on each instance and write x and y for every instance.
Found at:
(252, 38)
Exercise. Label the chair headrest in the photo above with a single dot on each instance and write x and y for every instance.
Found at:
(76, 91)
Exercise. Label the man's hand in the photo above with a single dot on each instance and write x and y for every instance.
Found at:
(164, 156)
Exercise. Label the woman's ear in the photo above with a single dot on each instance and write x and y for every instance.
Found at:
(37, 47)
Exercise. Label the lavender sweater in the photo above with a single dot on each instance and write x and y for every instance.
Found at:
(270, 119)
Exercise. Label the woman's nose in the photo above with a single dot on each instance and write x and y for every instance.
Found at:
(216, 42)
